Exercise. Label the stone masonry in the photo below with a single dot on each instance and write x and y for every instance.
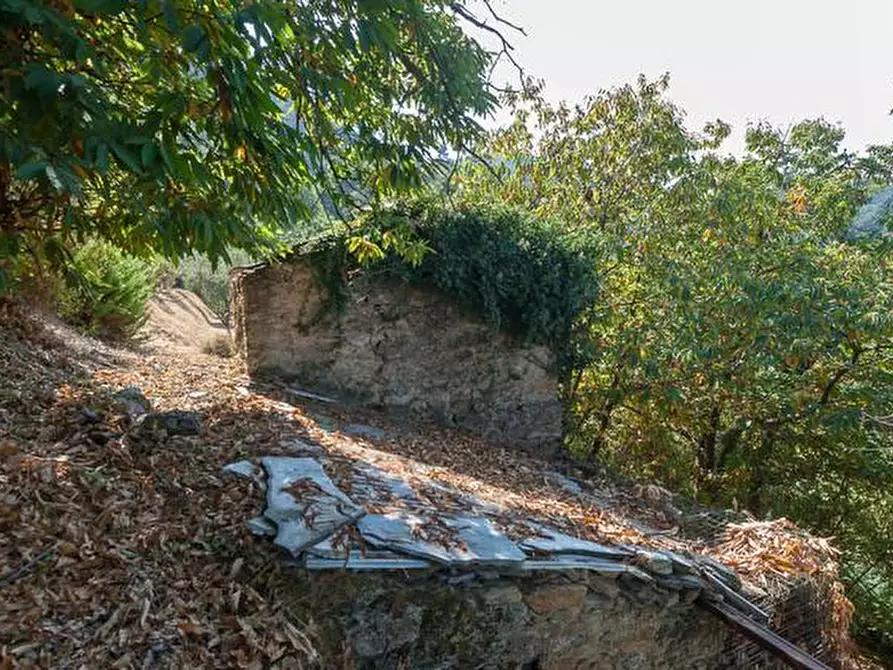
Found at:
(398, 347)
(391, 579)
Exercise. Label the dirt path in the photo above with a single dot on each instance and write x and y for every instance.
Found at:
(178, 320)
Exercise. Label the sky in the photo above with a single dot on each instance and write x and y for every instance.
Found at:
(737, 60)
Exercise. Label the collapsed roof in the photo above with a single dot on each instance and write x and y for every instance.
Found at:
(337, 502)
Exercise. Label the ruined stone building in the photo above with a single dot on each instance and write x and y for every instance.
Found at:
(490, 561)
(397, 347)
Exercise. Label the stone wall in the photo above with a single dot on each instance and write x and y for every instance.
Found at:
(397, 347)
(572, 620)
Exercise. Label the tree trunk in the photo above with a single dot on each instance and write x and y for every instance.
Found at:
(707, 447)
(604, 419)
(758, 470)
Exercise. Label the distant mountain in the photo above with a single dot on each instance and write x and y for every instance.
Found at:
(874, 218)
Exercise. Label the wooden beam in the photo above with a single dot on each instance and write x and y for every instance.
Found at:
(767, 639)
(735, 599)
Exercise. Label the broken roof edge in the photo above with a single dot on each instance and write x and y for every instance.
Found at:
(648, 575)
(306, 509)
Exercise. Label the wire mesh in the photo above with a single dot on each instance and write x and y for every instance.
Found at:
(799, 609)
(799, 612)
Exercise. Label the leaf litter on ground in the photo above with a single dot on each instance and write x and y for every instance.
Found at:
(124, 557)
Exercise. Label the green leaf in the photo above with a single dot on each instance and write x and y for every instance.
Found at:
(83, 52)
(165, 156)
(170, 16)
(107, 7)
(10, 245)
(31, 169)
(34, 15)
(365, 36)
(126, 157)
(147, 154)
(102, 158)
(193, 36)
(45, 82)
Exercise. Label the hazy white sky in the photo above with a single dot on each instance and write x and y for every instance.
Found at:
(738, 60)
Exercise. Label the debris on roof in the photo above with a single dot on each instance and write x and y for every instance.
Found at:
(310, 514)
(303, 503)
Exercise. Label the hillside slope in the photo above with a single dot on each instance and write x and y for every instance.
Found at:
(127, 550)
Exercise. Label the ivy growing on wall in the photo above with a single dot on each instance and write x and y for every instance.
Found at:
(519, 275)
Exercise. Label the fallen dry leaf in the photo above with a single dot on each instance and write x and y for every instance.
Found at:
(117, 556)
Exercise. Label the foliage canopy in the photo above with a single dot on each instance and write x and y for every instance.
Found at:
(194, 125)
(517, 273)
(740, 348)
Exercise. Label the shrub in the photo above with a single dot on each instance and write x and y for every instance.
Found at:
(522, 276)
(218, 345)
(105, 290)
(210, 282)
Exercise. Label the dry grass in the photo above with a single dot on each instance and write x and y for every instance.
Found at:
(219, 344)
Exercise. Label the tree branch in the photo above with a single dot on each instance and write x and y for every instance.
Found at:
(502, 20)
(507, 47)
(482, 161)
